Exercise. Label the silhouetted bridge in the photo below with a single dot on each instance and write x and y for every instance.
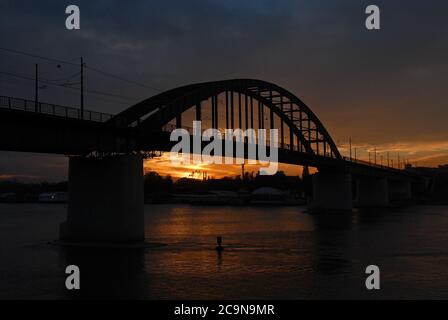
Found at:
(30, 126)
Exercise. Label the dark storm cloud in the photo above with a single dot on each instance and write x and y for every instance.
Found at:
(378, 86)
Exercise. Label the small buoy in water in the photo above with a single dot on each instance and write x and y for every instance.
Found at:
(219, 242)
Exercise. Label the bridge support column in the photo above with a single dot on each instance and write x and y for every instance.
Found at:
(105, 200)
(372, 192)
(400, 190)
(331, 193)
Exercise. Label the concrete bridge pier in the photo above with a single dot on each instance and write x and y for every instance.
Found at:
(106, 200)
(400, 190)
(372, 192)
(331, 193)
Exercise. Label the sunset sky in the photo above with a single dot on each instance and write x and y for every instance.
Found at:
(385, 89)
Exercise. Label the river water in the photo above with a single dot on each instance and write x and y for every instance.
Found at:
(270, 253)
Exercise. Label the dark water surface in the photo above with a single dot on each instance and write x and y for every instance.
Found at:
(270, 253)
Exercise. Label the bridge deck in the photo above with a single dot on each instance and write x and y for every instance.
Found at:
(49, 128)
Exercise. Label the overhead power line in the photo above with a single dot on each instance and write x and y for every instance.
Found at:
(66, 78)
(107, 74)
(67, 86)
(38, 56)
(104, 73)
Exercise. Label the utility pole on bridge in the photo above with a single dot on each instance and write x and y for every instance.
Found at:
(350, 144)
(82, 89)
(36, 90)
(375, 154)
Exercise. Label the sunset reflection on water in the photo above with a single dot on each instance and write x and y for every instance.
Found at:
(269, 252)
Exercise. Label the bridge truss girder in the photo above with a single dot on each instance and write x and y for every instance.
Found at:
(152, 114)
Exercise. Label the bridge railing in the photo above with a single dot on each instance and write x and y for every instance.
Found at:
(369, 163)
(52, 109)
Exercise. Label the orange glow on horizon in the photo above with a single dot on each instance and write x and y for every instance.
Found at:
(165, 167)
(419, 153)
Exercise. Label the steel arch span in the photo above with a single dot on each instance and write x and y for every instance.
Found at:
(259, 96)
